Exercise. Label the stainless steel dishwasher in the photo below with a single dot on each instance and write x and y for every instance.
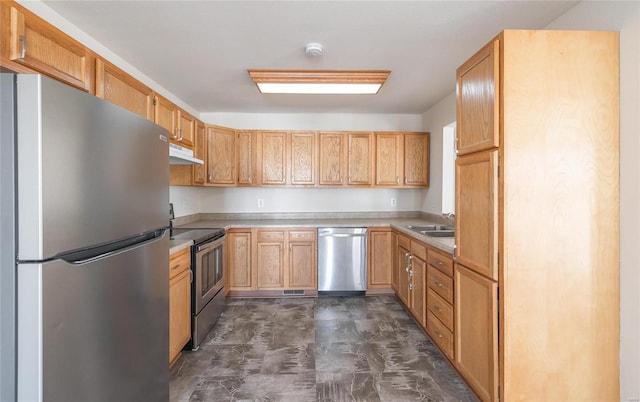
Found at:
(342, 260)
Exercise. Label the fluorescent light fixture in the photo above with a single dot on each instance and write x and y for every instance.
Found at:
(319, 81)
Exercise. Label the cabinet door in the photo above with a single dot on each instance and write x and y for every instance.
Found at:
(302, 260)
(380, 259)
(270, 259)
(116, 86)
(273, 157)
(332, 158)
(389, 159)
(246, 151)
(396, 266)
(303, 158)
(221, 146)
(416, 160)
(478, 100)
(359, 159)
(165, 114)
(187, 129)
(239, 273)
(477, 212)
(179, 313)
(38, 45)
(403, 273)
(418, 291)
(200, 152)
(476, 331)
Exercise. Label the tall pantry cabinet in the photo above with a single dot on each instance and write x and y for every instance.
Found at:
(537, 217)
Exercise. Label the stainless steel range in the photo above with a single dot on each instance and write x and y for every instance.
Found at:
(207, 288)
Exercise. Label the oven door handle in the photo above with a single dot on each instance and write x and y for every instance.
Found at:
(208, 246)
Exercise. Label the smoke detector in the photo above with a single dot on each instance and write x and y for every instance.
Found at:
(313, 49)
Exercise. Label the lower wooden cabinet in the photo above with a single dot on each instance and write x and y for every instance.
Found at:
(476, 331)
(402, 256)
(272, 259)
(239, 272)
(179, 302)
(380, 259)
(412, 256)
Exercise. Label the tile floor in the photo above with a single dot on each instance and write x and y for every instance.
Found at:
(316, 349)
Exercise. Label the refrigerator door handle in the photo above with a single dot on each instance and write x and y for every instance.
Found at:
(91, 254)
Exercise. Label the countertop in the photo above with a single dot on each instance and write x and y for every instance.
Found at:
(400, 224)
(177, 245)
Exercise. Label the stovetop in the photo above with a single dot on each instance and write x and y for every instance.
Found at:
(197, 235)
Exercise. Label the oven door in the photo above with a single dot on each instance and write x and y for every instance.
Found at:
(208, 272)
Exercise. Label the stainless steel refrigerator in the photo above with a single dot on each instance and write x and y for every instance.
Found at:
(84, 291)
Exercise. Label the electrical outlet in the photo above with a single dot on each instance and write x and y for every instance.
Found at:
(393, 202)
(260, 202)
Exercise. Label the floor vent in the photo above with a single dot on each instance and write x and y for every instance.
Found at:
(293, 292)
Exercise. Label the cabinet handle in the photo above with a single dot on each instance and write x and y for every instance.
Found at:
(437, 308)
(411, 286)
(210, 178)
(23, 42)
(180, 134)
(397, 180)
(407, 269)
(437, 332)
(438, 284)
(410, 273)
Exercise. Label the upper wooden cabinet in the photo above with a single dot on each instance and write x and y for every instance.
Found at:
(187, 127)
(200, 152)
(346, 159)
(166, 115)
(273, 157)
(32, 42)
(180, 124)
(332, 160)
(360, 159)
(402, 159)
(302, 163)
(416, 159)
(478, 89)
(389, 159)
(221, 159)
(116, 86)
(246, 151)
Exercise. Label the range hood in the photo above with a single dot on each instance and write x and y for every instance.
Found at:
(182, 156)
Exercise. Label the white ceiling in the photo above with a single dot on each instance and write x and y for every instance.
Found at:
(201, 50)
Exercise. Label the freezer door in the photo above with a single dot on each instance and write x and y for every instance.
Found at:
(99, 331)
(89, 172)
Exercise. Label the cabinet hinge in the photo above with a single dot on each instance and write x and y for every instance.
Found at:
(155, 101)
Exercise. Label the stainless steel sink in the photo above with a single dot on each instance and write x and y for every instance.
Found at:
(438, 233)
(430, 228)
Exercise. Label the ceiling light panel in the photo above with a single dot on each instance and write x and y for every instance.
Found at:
(319, 81)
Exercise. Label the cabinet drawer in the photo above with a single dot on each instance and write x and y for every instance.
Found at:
(179, 262)
(299, 235)
(270, 236)
(440, 308)
(441, 261)
(419, 250)
(440, 283)
(440, 335)
(404, 242)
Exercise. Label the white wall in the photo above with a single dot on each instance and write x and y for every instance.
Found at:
(623, 17)
(236, 200)
(316, 121)
(433, 120)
